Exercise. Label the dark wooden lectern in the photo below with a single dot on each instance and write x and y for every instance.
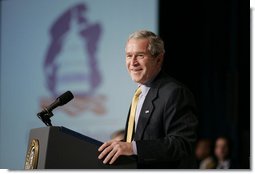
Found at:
(61, 148)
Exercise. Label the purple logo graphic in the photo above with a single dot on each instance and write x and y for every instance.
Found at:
(71, 62)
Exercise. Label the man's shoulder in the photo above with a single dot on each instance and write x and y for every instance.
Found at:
(168, 87)
(166, 82)
(172, 91)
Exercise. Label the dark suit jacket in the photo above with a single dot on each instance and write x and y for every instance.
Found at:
(166, 130)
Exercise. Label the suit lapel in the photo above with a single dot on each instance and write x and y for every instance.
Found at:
(146, 112)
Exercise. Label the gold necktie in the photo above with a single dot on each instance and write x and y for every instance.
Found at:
(131, 120)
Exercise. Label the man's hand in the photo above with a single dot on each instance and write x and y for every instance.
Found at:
(112, 149)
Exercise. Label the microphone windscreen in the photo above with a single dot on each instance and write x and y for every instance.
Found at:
(64, 98)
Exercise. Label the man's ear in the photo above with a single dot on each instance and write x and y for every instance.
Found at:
(160, 59)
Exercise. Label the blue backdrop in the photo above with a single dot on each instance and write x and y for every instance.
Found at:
(49, 47)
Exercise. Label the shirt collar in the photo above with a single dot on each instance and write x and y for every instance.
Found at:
(144, 89)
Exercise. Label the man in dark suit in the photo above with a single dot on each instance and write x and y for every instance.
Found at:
(164, 131)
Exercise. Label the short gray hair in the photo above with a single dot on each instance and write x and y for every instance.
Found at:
(156, 44)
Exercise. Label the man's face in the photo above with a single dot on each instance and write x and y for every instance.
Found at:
(221, 149)
(140, 64)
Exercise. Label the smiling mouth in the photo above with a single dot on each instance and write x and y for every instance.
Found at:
(136, 70)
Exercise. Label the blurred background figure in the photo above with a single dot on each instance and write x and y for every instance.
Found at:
(204, 154)
(118, 135)
(222, 153)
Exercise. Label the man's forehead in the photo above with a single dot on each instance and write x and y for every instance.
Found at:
(137, 45)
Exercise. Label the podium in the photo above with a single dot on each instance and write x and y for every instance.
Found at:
(61, 148)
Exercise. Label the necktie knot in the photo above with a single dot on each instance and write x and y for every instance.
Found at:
(138, 92)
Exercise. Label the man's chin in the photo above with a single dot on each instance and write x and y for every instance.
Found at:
(137, 80)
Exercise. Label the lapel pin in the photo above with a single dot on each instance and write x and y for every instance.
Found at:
(147, 111)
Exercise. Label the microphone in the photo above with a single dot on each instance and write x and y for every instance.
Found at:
(46, 113)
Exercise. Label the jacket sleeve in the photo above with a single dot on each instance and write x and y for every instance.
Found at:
(179, 125)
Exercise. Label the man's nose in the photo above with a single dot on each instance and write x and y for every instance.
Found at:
(134, 61)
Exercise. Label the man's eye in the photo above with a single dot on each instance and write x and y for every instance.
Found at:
(140, 56)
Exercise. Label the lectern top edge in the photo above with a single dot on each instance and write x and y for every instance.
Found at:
(79, 136)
